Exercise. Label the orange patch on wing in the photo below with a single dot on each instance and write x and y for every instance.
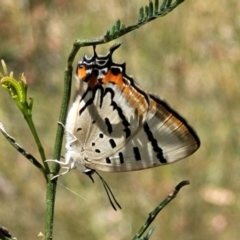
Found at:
(117, 79)
(170, 121)
(81, 72)
(134, 98)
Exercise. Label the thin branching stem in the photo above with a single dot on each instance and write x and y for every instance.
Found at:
(38, 142)
(154, 213)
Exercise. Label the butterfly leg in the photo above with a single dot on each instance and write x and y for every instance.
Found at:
(68, 164)
(61, 174)
(59, 162)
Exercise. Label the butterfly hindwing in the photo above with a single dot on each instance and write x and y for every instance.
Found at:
(163, 138)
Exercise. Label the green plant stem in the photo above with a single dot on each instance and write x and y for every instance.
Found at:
(52, 185)
(62, 117)
(50, 204)
(38, 142)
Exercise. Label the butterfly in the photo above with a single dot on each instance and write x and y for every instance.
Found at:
(113, 125)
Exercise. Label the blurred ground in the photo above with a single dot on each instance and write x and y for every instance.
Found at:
(190, 57)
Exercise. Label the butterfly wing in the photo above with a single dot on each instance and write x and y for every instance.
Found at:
(114, 125)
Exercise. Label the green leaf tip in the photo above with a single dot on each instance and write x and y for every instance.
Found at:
(156, 4)
(146, 11)
(118, 25)
(4, 66)
(150, 9)
(168, 3)
(16, 88)
(141, 15)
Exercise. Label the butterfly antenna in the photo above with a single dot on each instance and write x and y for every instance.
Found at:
(109, 193)
(90, 176)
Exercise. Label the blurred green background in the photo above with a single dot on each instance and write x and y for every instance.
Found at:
(190, 57)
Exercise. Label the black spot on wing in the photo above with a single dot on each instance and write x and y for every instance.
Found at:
(127, 131)
(137, 154)
(97, 151)
(109, 125)
(108, 160)
(121, 158)
(112, 143)
(154, 143)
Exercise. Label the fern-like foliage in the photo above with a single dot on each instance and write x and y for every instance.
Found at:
(146, 14)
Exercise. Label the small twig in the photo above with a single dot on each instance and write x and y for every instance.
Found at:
(154, 213)
(20, 149)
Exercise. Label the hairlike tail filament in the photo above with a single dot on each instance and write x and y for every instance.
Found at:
(109, 192)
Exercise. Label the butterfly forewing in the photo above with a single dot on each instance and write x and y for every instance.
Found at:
(103, 124)
(115, 126)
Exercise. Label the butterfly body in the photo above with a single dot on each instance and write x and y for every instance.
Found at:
(113, 125)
